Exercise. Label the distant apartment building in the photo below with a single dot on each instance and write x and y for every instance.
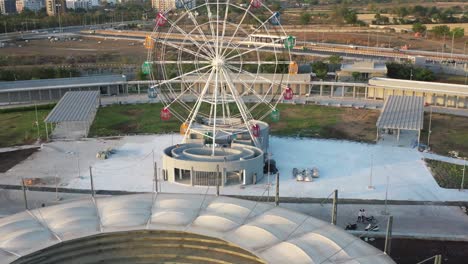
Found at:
(171, 4)
(7, 6)
(74, 4)
(33, 5)
(54, 7)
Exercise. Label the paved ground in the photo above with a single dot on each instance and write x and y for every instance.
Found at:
(419, 221)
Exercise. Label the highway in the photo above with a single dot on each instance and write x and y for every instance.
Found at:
(309, 48)
(302, 48)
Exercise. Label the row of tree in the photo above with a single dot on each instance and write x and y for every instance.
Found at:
(440, 31)
(29, 20)
(17, 74)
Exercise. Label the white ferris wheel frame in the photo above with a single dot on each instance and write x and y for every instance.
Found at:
(215, 52)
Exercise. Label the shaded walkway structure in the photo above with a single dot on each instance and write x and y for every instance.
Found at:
(73, 115)
(401, 113)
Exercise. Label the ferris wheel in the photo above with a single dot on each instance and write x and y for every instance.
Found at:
(205, 62)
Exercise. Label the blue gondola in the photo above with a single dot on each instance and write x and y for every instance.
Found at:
(275, 19)
(152, 93)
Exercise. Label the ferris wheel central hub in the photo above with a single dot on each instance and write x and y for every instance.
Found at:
(217, 62)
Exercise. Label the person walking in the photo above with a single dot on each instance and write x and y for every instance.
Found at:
(363, 215)
(359, 216)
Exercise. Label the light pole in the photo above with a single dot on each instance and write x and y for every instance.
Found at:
(430, 126)
(463, 175)
(37, 122)
(59, 7)
(371, 187)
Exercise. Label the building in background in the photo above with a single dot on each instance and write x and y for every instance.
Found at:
(171, 4)
(54, 7)
(361, 71)
(33, 5)
(74, 4)
(7, 6)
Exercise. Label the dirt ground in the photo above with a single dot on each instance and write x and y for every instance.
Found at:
(384, 40)
(411, 251)
(10, 159)
(358, 124)
(117, 51)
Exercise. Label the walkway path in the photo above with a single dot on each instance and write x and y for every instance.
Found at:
(438, 157)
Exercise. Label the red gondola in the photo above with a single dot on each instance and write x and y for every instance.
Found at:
(160, 19)
(256, 3)
(256, 130)
(288, 93)
(165, 114)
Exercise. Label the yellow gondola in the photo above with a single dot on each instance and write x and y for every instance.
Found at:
(293, 68)
(183, 128)
(149, 42)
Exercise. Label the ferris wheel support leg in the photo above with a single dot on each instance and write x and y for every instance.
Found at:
(241, 106)
(194, 113)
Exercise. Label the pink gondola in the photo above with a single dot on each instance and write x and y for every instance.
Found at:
(161, 20)
(288, 94)
(256, 3)
(165, 114)
(256, 130)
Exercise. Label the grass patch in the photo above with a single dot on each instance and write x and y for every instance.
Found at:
(449, 133)
(447, 175)
(296, 120)
(19, 125)
(115, 120)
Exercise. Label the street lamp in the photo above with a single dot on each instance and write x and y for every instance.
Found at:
(463, 175)
(430, 126)
(60, 17)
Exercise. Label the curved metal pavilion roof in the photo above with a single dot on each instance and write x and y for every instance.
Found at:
(275, 234)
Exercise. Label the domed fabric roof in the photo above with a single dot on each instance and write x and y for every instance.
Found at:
(274, 234)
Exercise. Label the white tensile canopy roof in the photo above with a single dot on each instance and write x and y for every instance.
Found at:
(274, 234)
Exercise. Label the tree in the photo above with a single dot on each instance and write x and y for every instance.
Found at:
(440, 31)
(305, 18)
(356, 76)
(458, 32)
(419, 27)
(334, 59)
(320, 69)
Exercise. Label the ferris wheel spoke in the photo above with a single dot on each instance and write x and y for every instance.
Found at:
(177, 62)
(207, 4)
(183, 75)
(257, 48)
(181, 48)
(249, 88)
(197, 25)
(236, 30)
(274, 82)
(246, 37)
(224, 24)
(196, 43)
(187, 89)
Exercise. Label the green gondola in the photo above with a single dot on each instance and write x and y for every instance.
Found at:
(208, 138)
(146, 67)
(290, 42)
(275, 115)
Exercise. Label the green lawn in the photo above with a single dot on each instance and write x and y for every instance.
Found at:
(307, 121)
(447, 175)
(128, 119)
(19, 125)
